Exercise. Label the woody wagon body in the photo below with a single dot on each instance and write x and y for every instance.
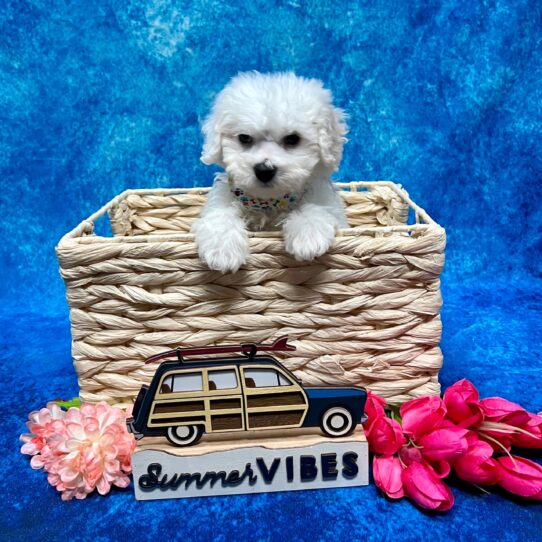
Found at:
(247, 392)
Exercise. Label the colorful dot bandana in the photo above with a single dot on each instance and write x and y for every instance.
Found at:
(284, 203)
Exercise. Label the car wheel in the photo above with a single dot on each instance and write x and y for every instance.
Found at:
(184, 435)
(337, 422)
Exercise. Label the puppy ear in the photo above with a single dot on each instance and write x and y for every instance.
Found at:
(212, 143)
(332, 128)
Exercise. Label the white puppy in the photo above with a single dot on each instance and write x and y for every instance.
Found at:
(279, 138)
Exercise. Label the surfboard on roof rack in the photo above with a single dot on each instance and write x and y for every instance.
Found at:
(248, 349)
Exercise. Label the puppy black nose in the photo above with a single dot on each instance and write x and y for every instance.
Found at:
(265, 171)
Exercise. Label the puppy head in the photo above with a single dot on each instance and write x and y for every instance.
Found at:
(271, 132)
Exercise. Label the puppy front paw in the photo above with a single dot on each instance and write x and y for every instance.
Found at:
(225, 251)
(224, 257)
(307, 240)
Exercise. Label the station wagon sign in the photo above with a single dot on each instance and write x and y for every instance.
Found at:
(262, 426)
(246, 392)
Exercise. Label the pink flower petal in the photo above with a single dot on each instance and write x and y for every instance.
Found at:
(521, 476)
(103, 486)
(477, 465)
(534, 438)
(444, 444)
(423, 486)
(76, 431)
(387, 475)
(497, 409)
(385, 436)
(420, 416)
(374, 407)
(463, 404)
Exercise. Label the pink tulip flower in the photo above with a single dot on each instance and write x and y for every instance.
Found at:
(441, 468)
(497, 409)
(534, 427)
(477, 465)
(501, 417)
(387, 475)
(385, 436)
(498, 441)
(374, 407)
(413, 454)
(410, 454)
(463, 404)
(444, 444)
(521, 477)
(421, 484)
(420, 416)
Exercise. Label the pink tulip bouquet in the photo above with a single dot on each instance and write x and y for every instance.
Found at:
(428, 437)
(80, 449)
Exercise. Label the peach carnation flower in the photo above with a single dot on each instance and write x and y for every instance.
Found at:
(43, 425)
(82, 449)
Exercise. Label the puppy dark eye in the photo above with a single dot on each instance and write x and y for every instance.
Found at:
(245, 139)
(291, 140)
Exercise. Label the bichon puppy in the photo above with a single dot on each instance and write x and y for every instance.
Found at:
(279, 138)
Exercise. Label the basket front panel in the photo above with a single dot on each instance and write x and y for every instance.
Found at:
(366, 313)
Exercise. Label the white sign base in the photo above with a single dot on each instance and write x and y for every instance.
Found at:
(256, 462)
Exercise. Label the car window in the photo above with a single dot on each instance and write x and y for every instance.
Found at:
(264, 378)
(283, 381)
(222, 380)
(182, 382)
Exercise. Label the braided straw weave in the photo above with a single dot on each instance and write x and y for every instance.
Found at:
(366, 313)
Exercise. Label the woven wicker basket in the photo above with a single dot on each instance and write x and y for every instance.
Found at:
(366, 313)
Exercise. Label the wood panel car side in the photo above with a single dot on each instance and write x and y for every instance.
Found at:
(188, 398)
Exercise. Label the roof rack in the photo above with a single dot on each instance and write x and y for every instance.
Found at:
(248, 349)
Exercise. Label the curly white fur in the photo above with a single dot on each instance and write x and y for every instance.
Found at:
(269, 107)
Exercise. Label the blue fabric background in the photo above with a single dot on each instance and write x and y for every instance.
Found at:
(444, 97)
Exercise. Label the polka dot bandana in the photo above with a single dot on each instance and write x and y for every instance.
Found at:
(284, 203)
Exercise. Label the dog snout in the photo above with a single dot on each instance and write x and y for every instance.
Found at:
(265, 171)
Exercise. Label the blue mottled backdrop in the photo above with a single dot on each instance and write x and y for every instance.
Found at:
(444, 97)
